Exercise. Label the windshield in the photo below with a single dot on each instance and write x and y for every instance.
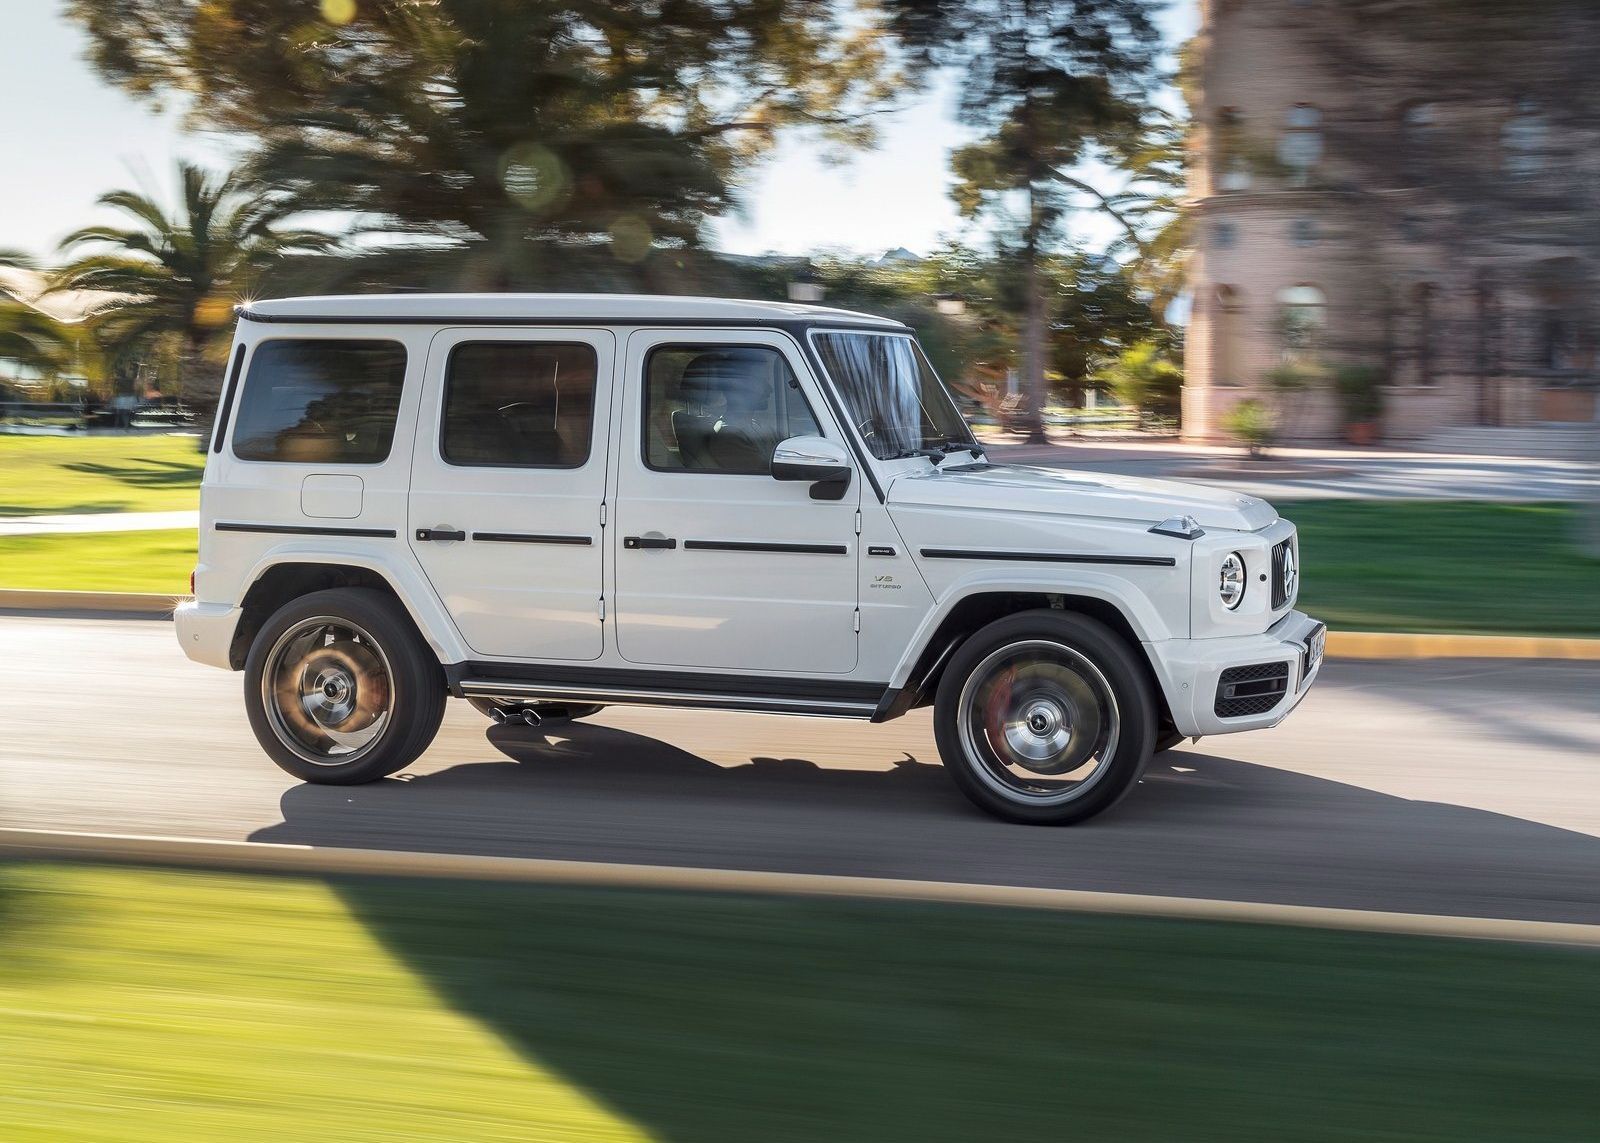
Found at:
(893, 395)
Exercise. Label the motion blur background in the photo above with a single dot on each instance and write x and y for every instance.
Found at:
(1341, 253)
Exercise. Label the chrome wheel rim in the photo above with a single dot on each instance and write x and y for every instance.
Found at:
(328, 691)
(1039, 722)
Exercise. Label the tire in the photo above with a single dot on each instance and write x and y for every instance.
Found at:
(548, 710)
(1068, 742)
(340, 689)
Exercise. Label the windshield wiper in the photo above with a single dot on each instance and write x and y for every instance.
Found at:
(949, 445)
(933, 454)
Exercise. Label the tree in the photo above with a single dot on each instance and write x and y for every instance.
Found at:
(28, 337)
(1141, 377)
(1044, 81)
(172, 279)
(505, 143)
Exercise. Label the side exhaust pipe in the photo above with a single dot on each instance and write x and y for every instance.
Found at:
(515, 716)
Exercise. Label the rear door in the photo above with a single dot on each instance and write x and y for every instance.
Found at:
(717, 564)
(507, 483)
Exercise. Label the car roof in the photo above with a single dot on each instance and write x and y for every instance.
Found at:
(514, 308)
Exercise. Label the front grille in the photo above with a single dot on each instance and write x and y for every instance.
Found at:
(1255, 689)
(1281, 588)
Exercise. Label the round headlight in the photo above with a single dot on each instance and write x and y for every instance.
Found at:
(1231, 586)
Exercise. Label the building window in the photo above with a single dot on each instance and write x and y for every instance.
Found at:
(1419, 137)
(1300, 149)
(1230, 163)
(1424, 297)
(1525, 141)
(1227, 316)
(1302, 315)
(1303, 232)
(1224, 235)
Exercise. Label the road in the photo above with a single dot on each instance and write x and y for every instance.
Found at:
(1468, 788)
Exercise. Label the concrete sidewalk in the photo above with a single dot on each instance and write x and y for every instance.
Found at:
(98, 522)
(1330, 474)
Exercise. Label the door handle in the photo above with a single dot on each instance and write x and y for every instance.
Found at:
(648, 542)
(439, 534)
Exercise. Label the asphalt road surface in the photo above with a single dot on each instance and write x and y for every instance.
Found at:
(1467, 788)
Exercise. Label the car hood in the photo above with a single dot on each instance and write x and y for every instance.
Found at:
(1015, 488)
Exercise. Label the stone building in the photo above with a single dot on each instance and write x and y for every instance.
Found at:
(1407, 186)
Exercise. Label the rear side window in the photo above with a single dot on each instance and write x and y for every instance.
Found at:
(316, 401)
(519, 404)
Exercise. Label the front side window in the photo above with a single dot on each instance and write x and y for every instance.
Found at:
(720, 408)
(320, 401)
(892, 394)
(518, 404)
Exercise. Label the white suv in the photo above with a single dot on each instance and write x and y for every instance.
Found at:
(549, 503)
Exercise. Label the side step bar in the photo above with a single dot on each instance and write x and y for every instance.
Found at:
(639, 696)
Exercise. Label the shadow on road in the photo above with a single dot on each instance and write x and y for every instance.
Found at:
(1199, 825)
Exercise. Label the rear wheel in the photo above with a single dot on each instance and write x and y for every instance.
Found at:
(340, 690)
(1045, 717)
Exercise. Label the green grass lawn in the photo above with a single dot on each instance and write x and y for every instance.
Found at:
(140, 1005)
(1453, 567)
(41, 475)
(157, 562)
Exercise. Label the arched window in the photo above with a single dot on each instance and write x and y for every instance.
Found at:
(1302, 314)
(1419, 137)
(1300, 148)
(1423, 299)
(1233, 169)
(1227, 315)
(1525, 141)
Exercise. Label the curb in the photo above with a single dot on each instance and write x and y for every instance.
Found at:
(120, 602)
(297, 859)
(1341, 644)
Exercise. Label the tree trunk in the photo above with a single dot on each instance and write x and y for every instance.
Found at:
(1034, 333)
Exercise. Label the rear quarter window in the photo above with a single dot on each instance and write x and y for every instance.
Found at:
(320, 401)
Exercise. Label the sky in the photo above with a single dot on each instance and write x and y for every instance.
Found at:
(68, 137)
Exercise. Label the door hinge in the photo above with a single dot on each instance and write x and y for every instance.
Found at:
(602, 609)
(858, 621)
(602, 513)
(858, 521)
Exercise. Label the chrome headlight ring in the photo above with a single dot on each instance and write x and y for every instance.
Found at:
(1231, 582)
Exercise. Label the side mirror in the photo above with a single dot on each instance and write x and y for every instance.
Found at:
(820, 462)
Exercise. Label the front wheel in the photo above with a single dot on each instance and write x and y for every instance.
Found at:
(340, 689)
(1045, 717)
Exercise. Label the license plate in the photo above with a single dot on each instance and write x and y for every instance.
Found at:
(1312, 655)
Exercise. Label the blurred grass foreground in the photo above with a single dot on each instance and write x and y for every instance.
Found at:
(143, 1005)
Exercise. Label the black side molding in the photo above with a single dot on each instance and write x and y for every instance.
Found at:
(305, 530)
(759, 546)
(1048, 557)
(531, 538)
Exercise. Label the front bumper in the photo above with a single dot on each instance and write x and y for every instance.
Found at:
(1191, 671)
(205, 631)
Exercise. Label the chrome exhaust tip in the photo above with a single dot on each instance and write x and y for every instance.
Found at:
(515, 716)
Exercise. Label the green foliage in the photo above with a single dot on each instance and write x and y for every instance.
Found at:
(1294, 376)
(1360, 390)
(502, 144)
(1146, 380)
(1252, 423)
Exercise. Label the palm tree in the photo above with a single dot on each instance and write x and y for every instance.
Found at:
(28, 337)
(171, 280)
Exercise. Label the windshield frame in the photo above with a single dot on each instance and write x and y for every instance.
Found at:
(838, 393)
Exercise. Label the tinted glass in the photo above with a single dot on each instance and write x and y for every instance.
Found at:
(892, 394)
(519, 404)
(720, 408)
(320, 402)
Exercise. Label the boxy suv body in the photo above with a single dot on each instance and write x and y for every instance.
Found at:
(550, 503)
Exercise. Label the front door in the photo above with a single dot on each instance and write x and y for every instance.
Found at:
(507, 483)
(717, 564)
